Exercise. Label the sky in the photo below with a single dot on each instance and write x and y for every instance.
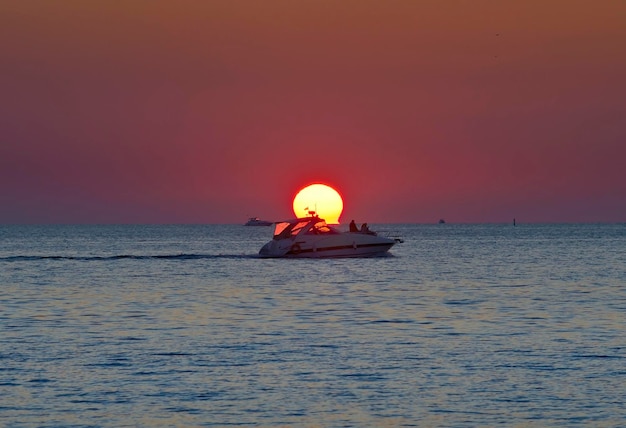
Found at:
(215, 111)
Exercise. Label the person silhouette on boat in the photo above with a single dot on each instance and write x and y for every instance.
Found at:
(353, 227)
(364, 228)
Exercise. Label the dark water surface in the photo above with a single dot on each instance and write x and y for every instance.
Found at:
(465, 325)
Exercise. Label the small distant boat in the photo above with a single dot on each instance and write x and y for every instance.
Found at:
(442, 221)
(311, 237)
(255, 221)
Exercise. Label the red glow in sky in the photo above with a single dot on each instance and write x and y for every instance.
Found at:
(212, 112)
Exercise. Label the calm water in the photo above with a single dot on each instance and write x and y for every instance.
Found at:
(465, 325)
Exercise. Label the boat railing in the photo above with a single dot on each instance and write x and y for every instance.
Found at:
(391, 234)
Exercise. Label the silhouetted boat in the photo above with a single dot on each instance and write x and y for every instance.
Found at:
(255, 221)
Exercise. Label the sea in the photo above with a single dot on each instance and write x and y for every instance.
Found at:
(461, 325)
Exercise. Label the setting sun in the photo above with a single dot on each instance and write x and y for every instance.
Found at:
(322, 199)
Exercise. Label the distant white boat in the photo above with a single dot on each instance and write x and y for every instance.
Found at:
(255, 221)
(311, 237)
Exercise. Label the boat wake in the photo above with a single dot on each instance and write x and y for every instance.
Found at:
(25, 258)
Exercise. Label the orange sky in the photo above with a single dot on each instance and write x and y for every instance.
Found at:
(210, 112)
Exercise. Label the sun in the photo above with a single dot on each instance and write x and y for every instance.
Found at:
(323, 199)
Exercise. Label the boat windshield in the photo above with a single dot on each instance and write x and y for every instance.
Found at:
(286, 230)
(320, 228)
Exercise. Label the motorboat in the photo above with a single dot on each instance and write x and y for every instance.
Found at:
(255, 221)
(312, 237)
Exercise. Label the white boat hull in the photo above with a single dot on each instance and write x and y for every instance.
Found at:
(343, 245)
